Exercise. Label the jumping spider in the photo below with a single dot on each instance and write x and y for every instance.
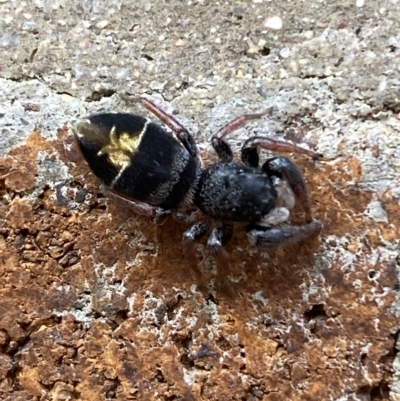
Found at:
(154, 171)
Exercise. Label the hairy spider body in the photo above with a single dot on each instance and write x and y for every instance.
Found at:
(154, 171)
(233, 192)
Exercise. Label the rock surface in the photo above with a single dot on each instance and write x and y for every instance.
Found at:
(99, 304)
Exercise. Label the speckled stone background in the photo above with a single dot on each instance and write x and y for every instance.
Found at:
(99, 304)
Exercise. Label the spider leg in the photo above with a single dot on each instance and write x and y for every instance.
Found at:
(273, 237)
(141, 208)
(194, 233)
(283, 167)
(239, 122)
(250, 153)
(181, 132)
(218, 238)
(220, 146)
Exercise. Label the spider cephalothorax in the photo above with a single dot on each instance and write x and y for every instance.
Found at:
(154, 171)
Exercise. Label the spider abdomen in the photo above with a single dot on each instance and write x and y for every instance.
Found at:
(136, 159)
(233, 192)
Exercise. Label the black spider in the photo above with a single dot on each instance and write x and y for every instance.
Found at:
(154, 171)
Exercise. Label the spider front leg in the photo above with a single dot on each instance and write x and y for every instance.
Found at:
(221, 147)
(250, 149)
(281, 167)
(285, 235)
(181, 132)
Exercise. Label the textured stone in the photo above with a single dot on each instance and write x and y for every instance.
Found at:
(99, 304)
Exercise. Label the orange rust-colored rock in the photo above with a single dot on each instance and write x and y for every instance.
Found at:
(98, 303)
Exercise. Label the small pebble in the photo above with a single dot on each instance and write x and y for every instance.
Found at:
(67, 98)
(273, 23)
(283, 73)
(382, 85)
(253, 49)
(285, 52)
(261, 43)
(309, 34)
(180, 43)
(122, 73)
(102, 24)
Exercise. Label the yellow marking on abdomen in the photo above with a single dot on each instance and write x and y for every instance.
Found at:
(120, 150)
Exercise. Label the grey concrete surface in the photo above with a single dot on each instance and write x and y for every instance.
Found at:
(333, 66)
